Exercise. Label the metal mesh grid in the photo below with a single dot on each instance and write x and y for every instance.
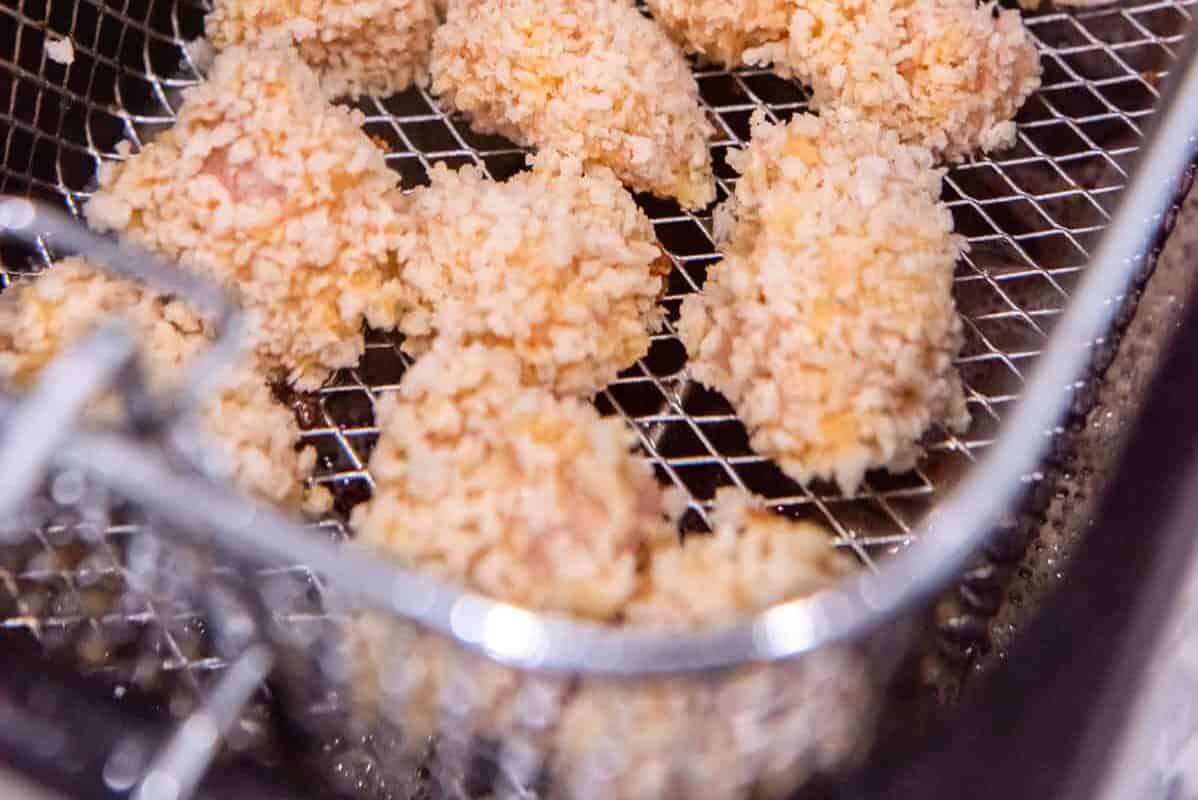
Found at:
(1031, 215)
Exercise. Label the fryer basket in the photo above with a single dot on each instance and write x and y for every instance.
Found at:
(1032, 216)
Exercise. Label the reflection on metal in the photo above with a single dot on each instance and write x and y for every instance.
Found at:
(32, 223)
(1156, 757)
(37, 428)
(177, 770)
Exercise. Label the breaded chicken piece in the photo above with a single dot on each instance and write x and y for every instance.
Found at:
(252, 431)
(752, 559)
(592, 78)
(946, 74)
(559, 266)
(722, 30)
(830, 324)
(765, 728)
(374, 47)
(265, 187)
(758, 731)
(521, 495)
(433, 689)
(753, 717)
(636, 739)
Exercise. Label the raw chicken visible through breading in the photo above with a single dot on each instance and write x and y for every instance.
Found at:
(592, 78)
(946, 74)
(524, 496)
(265, 187)
(752, 559)
(830, 324)
(558, 266)
(373, 47)
(253, 433)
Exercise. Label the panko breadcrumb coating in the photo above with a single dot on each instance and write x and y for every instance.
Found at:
(592, 78)
(264, 186)
(830, 324)
(722, 30)
(253, 433)
(558, 266)
(752, 559)
(947, 74)
(524, 496)
(433, 688)
(356, 46)
(752, 732)
(766, 728)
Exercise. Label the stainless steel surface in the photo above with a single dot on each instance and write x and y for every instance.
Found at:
(1096, 446)
(1157, 753)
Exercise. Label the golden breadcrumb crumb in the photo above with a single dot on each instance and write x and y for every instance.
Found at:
(253, 433)
(592, 78)
(524, 496)
(558, 266)
(947, 74)
(752, 559)
(265, 187)
(375, 47)
(830, 325)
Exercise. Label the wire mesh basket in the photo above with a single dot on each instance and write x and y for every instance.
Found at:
(1033, 216)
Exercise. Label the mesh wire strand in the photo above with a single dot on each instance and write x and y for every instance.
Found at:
(1031, 215)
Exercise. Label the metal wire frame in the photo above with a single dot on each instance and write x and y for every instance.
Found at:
(1031, 215)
